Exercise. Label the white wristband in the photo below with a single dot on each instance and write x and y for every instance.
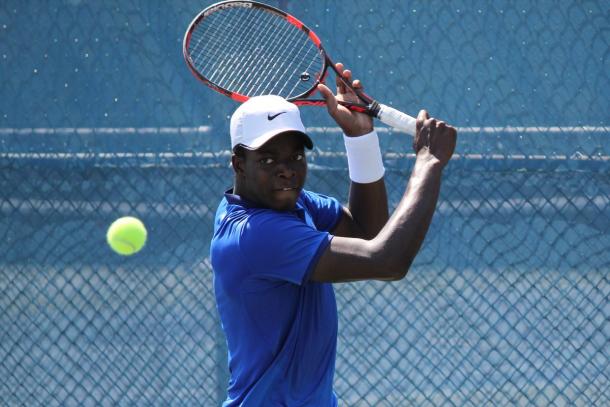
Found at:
(364, 158)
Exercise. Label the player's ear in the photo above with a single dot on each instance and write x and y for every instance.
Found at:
(237, 164)
(238, 160)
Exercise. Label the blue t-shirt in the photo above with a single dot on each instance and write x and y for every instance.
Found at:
(281, 329)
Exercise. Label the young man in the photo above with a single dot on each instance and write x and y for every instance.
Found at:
(277, 247)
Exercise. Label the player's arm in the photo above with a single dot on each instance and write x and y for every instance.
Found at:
(389, 255)
(366, 213)
(367, 210)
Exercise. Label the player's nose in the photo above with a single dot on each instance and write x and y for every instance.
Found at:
(285, 170)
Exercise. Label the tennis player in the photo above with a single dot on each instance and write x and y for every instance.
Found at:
(277, 247)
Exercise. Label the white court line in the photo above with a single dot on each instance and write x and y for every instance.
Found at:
(469, 206)
(323, 154)
(312, 129)
(536, 129)
(89, 155)
(485, 130)
(67, 206)
(490, 129)
(102, 130)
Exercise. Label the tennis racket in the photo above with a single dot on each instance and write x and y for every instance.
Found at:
(245, 48)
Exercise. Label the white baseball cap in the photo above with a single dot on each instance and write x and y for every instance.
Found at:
(261, 118)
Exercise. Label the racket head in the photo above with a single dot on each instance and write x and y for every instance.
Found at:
(246, 48)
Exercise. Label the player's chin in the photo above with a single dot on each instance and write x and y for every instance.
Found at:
(285, 199)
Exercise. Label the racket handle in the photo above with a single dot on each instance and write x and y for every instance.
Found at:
(396, 119)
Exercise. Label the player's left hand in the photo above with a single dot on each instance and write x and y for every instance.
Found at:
(435, 137)
(352, 123)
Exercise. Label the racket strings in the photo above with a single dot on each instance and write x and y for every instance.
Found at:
(254, 52)
(263, 71)
(215, 53)
(294, 64)
(312, 59)
(221, 41)
(245, 51)
(274, 74)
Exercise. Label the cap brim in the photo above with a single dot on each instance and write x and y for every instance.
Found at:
(261, 140)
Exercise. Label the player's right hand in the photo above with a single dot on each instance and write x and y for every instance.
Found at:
(352, 123)
(434, 137)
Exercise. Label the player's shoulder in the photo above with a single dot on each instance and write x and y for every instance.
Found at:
(313, 199)
(308, 195)
(249, 218)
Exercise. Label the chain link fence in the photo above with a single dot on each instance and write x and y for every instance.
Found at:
(506, 304)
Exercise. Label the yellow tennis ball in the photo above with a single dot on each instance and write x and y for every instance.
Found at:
(126, 235)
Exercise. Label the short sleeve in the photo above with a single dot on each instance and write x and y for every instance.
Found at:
(281, 247)
(324, 210)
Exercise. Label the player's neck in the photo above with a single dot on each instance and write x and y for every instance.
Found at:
(241, 191)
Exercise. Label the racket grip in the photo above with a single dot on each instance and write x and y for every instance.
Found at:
(396, 119)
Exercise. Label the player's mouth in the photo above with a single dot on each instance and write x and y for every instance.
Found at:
(287, 188)
(290, 193)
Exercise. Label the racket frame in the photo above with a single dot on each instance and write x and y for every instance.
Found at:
(369, 105)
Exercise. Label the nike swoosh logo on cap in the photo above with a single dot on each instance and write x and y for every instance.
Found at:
(271, 117)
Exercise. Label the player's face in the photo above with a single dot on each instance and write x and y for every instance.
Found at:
(273, 175)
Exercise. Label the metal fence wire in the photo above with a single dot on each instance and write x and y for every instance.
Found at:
(506, 304)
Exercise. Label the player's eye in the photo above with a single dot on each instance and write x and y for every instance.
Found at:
(266, 161)
(299, 157)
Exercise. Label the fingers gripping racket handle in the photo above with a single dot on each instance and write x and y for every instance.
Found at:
(388, 115)
(396, 119)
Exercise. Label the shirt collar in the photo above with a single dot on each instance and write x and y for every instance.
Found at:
(234, 199)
